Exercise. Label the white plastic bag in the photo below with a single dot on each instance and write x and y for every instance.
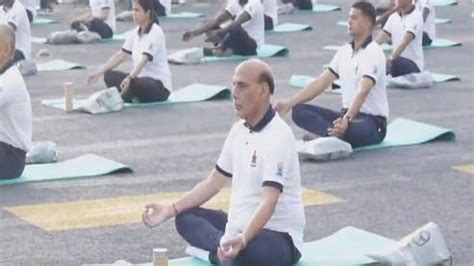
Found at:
(325, 149)
(186, 57)
(42, 152)
(103, 101)
(412, 81)
(425, 246)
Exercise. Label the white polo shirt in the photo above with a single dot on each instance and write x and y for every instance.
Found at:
(96, 9)
(397, 25)
(3, 17)
(255, 27)
(15, 109)
(153, 44)
(30, 5)
(429, 25)
(263, 156)
(351, 66)
(17, 17)
(270, 8)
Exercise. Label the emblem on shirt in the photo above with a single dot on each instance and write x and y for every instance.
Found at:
(279, 171)
(253, 162)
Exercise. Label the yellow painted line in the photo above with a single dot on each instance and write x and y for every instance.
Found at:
(468, 168)
(122, 210)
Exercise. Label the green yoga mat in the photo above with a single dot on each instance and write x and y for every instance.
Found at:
(58, 65)
(437, 21)
(345, 247)
(184, 15)
(290, 27)
(193, 93)
(325, 8)
(42, 21)
(444, 2)
(403, 132)
(267, 50)
(437, 43)
(84, 166)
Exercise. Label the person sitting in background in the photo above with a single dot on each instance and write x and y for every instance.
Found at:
(15, 110)
(100, 18)
(427, 9)
(242, 36)
(150, 78)
(16, 17)
(405, 29)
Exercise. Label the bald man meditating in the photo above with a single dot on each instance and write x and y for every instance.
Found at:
(266, 218)
(15, 110)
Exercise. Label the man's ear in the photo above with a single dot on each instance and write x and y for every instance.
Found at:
(4, 50)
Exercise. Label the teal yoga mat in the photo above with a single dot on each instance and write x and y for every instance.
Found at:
(84, 166)
(58, 65)
(325, 8)
(345, 247)
(42, 21)
(290, 27)
(267, 50)
(444, 2)
(437, 43)
(184, 15)
(193, 93)
(403, 132)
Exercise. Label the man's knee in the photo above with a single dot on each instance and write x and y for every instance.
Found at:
(298, 113)
(184, 221)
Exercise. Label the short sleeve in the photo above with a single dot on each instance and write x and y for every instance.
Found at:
(152, 43)
(335, 62)
(369, 68)
(252, 8)
(12, 18)
(277, 163)
(388, 27)
(412, 25)
(232, 7)
(224, 162)
(127, 46)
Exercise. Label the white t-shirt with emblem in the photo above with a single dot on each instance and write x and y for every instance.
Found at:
(351, 67)
(152, 44)
(17, 17)
(254, 159)
(96, 9)
(429, 25)
(255, 27)
(398, 25)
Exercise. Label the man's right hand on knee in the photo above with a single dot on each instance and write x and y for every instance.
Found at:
(156, 214)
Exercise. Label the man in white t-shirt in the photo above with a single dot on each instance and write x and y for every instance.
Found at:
(15, 111)
(266, 218)
(17, 18)
(100, 19)
(360, 67)
(405, 29)
(242, 36)
(427, 9)
(270, 8)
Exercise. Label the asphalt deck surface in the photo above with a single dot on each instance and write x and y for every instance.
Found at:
(390, 192)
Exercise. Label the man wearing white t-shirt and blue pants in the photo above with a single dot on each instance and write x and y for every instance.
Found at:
(405, 28)
(427, 9)
(266, 218)
(15, 111)
(360, 67)
(100, 19)
(17, 18)
(242, 36)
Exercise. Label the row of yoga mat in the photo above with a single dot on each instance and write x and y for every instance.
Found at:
(316, 8)
(401, 132)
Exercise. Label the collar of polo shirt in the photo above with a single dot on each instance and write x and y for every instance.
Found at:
(147, 29)
(6, 67)
(364, 44)
(407, 13)
(265, 120)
